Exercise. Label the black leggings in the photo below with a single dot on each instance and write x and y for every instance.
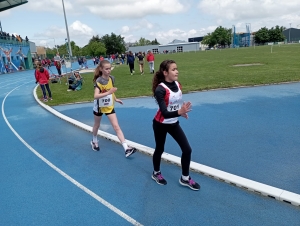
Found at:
(131, 67)
(160, 133)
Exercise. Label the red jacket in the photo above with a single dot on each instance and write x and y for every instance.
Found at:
(42, 76)
(57, 64)
(150, 57)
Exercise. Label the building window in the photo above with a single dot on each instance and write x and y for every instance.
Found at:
(12, 58)
(17, 57)
(154, 51)
(179, 49)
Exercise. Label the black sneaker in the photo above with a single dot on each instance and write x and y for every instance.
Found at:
(190, 183)
(159, 178)
(129, 152)
(94, 147)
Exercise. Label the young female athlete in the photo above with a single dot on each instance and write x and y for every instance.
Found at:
(104, 98)
(167, 92)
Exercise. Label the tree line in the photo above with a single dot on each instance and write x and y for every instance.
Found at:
(107, 44)
(223, 36)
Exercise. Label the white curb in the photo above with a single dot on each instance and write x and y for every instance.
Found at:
(232, 179)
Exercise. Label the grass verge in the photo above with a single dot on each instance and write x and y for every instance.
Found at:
(198, 71)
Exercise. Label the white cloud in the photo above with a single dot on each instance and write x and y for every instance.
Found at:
(259, 13)
(120, 9)
(54, 6)
(79, 32)
(142, 24)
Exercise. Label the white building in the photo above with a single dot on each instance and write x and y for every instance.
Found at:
(174, 46)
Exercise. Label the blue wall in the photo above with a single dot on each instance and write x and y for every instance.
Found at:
(15, 58)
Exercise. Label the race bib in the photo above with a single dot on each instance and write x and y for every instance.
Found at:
(106, 101)
(174, 107)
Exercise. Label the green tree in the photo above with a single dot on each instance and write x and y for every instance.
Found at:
(95, 39)
(275, 34)
(262, 36)
(209, 40)
(220, 36)
(96, 48)
(113, 43)
(142, 42)
(155, 42)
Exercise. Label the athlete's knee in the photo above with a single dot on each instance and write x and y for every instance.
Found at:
(158, 151)
(116, 127)
(187, 150)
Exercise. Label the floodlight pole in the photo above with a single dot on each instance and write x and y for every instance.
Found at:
(70, 49)
(290, 33)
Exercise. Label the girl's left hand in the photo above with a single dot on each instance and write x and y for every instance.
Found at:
(185, 115)
(119, 101)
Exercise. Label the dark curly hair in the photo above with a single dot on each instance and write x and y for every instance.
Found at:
(159, 75)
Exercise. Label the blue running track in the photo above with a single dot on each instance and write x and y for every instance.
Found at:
(32, 193)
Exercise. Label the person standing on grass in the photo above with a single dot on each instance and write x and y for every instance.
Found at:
(150, 59)
(104, 99)
(140, 57)
(42, 77)
(167, 92)
(130, 62)
(57, 64)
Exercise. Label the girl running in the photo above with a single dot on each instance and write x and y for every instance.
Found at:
(104, 99)
(167, 92)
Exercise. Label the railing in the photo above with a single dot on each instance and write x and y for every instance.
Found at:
(10, 40)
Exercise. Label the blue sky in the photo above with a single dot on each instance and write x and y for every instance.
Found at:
(166, 20)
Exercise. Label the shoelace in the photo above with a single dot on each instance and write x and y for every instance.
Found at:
(160, 177)
(192, 182)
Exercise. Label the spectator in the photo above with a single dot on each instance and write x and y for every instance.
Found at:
(42, 77)
(122, 58)
(76, 83)
(57, 64)
(141, 62)
(130, 62)
(150, 59)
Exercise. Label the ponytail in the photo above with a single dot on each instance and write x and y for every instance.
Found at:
(159, 75)
(98, 72)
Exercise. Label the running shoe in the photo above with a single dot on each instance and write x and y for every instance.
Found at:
(159, 178)
(94, 146)
(190, 183)
(129, 152)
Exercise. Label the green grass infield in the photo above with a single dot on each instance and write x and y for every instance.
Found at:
(203, 70)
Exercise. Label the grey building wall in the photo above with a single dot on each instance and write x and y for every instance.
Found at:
(136, 49)
(292, 34)
(184, 47)
(181, 47)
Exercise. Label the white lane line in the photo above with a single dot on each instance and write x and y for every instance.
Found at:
(18, 81)
(250, 185)
(62, 173)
